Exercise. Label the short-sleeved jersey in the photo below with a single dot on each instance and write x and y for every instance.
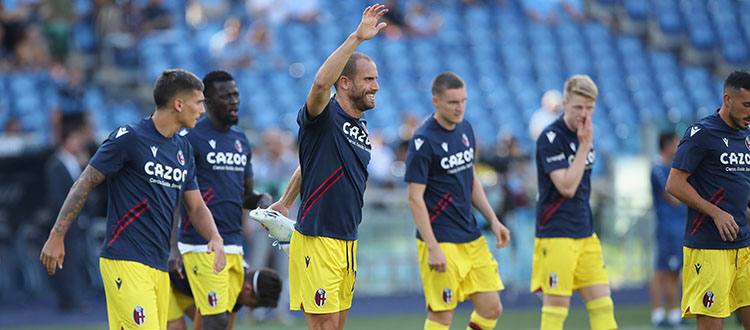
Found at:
(669, 218)
(223, 162)
(718, 160)
(557, 216)
(146, 175)
(443, 161)
(334, 151)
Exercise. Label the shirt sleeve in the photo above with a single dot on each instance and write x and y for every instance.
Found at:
(111, 156)
(551, 151)
(304, 120)
(418, 160)
(191, 181)
(690, 151)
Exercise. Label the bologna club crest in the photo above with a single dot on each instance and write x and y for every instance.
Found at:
(180, 158)
(708, 299)
(238, 145)
(447, 295)
(747, 142)
(465, 140)
(213, 299)
(320, 297)
(139, 315)
(552, 280)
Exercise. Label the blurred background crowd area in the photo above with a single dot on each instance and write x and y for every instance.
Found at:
(73, 70)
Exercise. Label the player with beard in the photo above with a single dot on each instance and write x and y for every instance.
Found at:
(148, 170)
(225, 177)
(710, 174)
(334, 151)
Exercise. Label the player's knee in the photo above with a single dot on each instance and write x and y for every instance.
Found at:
(491, 312)
(177, 324)
(216, 321)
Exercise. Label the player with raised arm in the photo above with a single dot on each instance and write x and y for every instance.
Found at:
(454, 259)
(567, 251)
(148, 169)
(711, 175)
(334, 153)
(225, 177)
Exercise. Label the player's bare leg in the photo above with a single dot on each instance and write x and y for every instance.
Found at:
(554, 311)
(709, 323)
(487, 309)
(744, 313)
(443, 318)
(330, 321)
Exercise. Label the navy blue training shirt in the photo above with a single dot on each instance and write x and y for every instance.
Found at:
(557, 216)
(669, 218)
(443, 161)
(223, 163)
(334, 150)
(146, 175)
(718, 160)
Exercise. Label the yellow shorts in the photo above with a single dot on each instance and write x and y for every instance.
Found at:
(562, 265)
(471, 268)
(715, 282)
(137, 295)
(214, 293)
(178, 303)
(322, 272)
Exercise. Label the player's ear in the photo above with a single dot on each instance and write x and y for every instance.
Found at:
(177, 103)
(434, 100)
(345, 82)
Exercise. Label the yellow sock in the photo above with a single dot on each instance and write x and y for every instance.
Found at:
(553, 317)
(477, 322)
(602, 313)
(432, 325)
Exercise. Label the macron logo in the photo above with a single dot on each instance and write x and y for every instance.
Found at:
(418, 143)
(153, 150)
(121, 131)
(212, 143)
(726, 142)
(551, 136)
(445, 146)
(694, 130)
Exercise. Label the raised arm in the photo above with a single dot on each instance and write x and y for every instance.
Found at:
(290, 194)
(479, 200)
(678, 186)
(204, 223)
(53, 252)
(331, 69)
(567, 180)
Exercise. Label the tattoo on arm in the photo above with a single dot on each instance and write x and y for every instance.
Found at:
(90, 178)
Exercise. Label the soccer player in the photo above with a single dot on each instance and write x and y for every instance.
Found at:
(261, 288)
(567, 252)
(454, 259)
(334, 152)
(225, 178)
(148, 169)
(711, 175)
(670, 215)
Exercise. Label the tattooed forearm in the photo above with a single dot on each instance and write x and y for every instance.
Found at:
(90, 178)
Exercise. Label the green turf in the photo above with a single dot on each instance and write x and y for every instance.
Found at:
(628, 318)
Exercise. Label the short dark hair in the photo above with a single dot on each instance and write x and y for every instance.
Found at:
(267, 289)
(211, 78)
(172, 82)
(736, 80)
(446, 80)
(664, 138)
(71, 123)
(350, 69)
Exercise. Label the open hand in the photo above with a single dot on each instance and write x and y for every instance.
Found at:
(369, 26)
